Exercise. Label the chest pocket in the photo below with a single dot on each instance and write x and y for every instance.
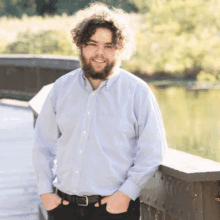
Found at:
(117, 124)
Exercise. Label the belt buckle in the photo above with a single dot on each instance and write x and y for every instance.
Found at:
(87, 201)
(56, 190)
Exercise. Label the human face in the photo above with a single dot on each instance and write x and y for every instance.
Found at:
(98, 56)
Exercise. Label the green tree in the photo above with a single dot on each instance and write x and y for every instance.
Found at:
(141, 6)
(46, 42)
(17, 7)
(46, 6)
(42, 7)
(180, 37)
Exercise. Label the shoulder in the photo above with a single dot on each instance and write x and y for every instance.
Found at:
(68, 77)
(138, 84)
(64, 81)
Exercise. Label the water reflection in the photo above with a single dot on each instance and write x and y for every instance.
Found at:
(192, 119)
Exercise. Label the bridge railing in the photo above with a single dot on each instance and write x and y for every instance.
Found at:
(22, 76)
(185, 188)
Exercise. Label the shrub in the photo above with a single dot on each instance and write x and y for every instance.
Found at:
(44, 42)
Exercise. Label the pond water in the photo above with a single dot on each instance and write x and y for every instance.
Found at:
(192, 120)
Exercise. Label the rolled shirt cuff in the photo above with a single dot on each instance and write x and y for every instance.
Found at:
(130, 189)
(44, 188)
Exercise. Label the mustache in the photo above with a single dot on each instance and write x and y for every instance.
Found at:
(99, 56)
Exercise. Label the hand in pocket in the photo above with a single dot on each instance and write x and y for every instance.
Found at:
(117, 203)
(51, 201)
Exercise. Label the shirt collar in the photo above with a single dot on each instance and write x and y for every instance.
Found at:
(109, 81)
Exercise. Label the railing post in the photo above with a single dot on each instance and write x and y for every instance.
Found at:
(211, 208)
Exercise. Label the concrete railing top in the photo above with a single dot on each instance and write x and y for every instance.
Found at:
(37, 101)
(43, 61)
(189, 167)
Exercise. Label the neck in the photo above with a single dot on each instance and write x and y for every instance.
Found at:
(95, 83)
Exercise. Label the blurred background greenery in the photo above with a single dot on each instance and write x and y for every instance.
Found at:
(177, 42)
(175, 38)
(191, 119)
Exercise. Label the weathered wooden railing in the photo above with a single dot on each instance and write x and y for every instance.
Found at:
(22, 76)
(184, 187)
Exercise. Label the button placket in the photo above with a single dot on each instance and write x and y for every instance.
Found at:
(83, 139)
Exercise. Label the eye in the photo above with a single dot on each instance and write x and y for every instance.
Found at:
(92, 44)
(109, 46)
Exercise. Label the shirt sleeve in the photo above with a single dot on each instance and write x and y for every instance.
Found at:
(151, 143)
(44, 149)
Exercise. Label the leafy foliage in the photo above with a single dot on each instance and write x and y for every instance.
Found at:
(17, 7)
(179, 37)
(41, 7)
(45, 42)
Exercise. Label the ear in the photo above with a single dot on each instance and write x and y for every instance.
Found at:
(119, 45)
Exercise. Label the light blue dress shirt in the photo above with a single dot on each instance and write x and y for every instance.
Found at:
(97, 142)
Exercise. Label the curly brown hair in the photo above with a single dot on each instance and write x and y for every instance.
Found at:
(98, 15)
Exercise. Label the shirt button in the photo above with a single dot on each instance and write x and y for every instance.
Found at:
(80, 151)
(89, 112)
(84, 132)
(93, 93)
(77, 172)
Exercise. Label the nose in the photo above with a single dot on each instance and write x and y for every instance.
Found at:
(99, 53)
(100, 50)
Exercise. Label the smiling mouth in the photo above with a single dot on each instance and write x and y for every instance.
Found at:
(98, 61)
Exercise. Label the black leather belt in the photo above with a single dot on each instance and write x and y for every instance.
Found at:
(80, 200)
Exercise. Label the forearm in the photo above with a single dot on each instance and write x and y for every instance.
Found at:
(43, 159)
(43, 164)
(145, 165)
(46, 134)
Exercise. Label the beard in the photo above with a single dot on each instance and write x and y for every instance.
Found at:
(90, 72)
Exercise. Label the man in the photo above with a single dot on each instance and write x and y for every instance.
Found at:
(99, 136)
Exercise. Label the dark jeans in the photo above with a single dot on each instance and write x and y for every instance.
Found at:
(90, 212)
